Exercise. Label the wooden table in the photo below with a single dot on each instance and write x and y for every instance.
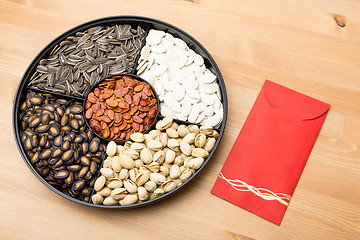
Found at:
(309, 46)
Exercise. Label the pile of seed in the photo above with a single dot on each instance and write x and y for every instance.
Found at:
(61, 149)
(86, 57)
(153, 164)
(121, 106)
(187, 90)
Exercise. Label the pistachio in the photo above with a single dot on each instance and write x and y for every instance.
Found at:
(207, 130)
(99, 183)
(150, 186)
(196, 162)
(143, 193)
(146, 155)
(173, 144)
(166, 122)
(159, 192)
(163, 138)
(210, 143)
(172, 133)
(124, 174)
(157, 178)
(187, 162)
(194, 129)
(137, 137)
(215, 134)
(119, 193)
(111, 149)
(107, 172)
(154, 167)
(142, 177)
(137, 146)
(97, 199)
(138, 163)
(126, 161)
(116, 164)
(185, 148)
(158, 125)
(164, 171)
(132, 153)
(174, 171)
(170, 156)
(109, 201)
(105, 192)
(129, 199)
(183, 131)
(185, 174)
(153, 134)
(154, 145)
(115, 183)
(147, 138)
(174, 125)
(200, 140)
(130, 186)
(190, 138)
(199, 152)
(133, 173)
(179, 160)
(159, 157)
(168, 186)
(119, 149)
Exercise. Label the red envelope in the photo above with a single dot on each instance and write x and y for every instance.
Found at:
(266, 161)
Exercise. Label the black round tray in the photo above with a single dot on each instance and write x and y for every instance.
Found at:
(146, 24)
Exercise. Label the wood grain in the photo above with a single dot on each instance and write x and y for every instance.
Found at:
(310, 46)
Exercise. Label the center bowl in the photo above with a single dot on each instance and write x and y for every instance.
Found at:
(112, 123)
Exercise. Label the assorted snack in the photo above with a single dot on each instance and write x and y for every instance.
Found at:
(59, 126)
(58, 144)
(152, 164)
(121, 106)
(187, 90)
(81, 60)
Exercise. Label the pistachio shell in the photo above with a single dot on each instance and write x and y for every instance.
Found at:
(99, 183)
(154, 145)
(179, 160)
(111, 149)
(163, 138)
(159, 157)
(215, 134)
(129, 199)
(173, 144)
(168, 186)
(137, 137)
(185, 174)
(97, 199)
(174, 171)
(126, 161)
(119, 149)
(194, 129)
(115, 183)
(146, 155)
(116, 163)
(183, 131)
(157, 178)
(187, 162)
(150, 186)
(107, 172)
(164, 171)
(130, 186)
(154, 167)
(209, 145)
(200, 140)
(142, 177)
(109, 201)
(158, 125)
(143, 193)
(185, 148)
(105, 192)
(153, 134)
(166, 122)
(132, 153)
(119, 193)
(207, 130)
(124, 174)
(133, 173)
(189, 138)
(196, 162)
(172, 133)
(170, 156)
(138, 163)
(200, 152)
(137, 146)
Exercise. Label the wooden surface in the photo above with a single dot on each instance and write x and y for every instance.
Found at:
(309, 46)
